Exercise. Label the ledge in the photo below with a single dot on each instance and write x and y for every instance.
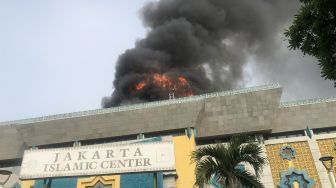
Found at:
(141, 105)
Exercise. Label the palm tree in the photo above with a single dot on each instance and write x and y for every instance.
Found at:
(221, 160)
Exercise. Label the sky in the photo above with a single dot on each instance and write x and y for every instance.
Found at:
(58, 56)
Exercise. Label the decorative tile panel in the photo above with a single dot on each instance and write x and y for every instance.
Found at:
(276, 162)
(112, 181)
(287, 152)
(303, 160)
(292, 175)
(327, 147)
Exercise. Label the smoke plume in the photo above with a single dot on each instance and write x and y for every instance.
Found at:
(198, 46)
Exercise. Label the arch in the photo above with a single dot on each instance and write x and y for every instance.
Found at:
(114, 181)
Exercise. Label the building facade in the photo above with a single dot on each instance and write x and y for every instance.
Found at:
(294, 136)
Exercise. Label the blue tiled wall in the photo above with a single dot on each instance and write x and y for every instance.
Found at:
(159, 180)
(141, 180)
(59, 183)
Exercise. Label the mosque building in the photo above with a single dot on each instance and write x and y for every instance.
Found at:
(149, 145)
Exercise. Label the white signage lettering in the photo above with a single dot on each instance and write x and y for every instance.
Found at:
(99, 159)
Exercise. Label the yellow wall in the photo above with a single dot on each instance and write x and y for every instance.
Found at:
(276, 162)
(184, 168)
(326, 147)
(303, 160)
(27, 183)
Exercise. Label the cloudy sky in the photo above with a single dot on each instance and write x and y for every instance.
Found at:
(58, 56)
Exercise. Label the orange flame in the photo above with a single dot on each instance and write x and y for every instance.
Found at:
(189, 93)
(180, 85)
(162, 80)
(183, 80)
(140, 85)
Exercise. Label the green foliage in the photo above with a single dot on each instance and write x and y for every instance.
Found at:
(222, 159)
(314, 32)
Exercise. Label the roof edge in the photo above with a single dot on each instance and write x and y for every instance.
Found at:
(307, 102)
(141, 105)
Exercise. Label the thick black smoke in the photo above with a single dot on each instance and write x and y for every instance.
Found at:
(206, 41)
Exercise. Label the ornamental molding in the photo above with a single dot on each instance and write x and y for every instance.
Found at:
(287, 152)
(287, 178)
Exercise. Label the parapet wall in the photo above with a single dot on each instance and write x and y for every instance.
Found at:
(255, 109)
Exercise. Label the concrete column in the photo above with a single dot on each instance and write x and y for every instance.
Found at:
(332, 179)
(322, 172)
(266, 176)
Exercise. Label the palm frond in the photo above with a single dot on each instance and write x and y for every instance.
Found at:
(247, 179)
(251, 153)
(214, 151)
(204, 170)
(222, 160)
